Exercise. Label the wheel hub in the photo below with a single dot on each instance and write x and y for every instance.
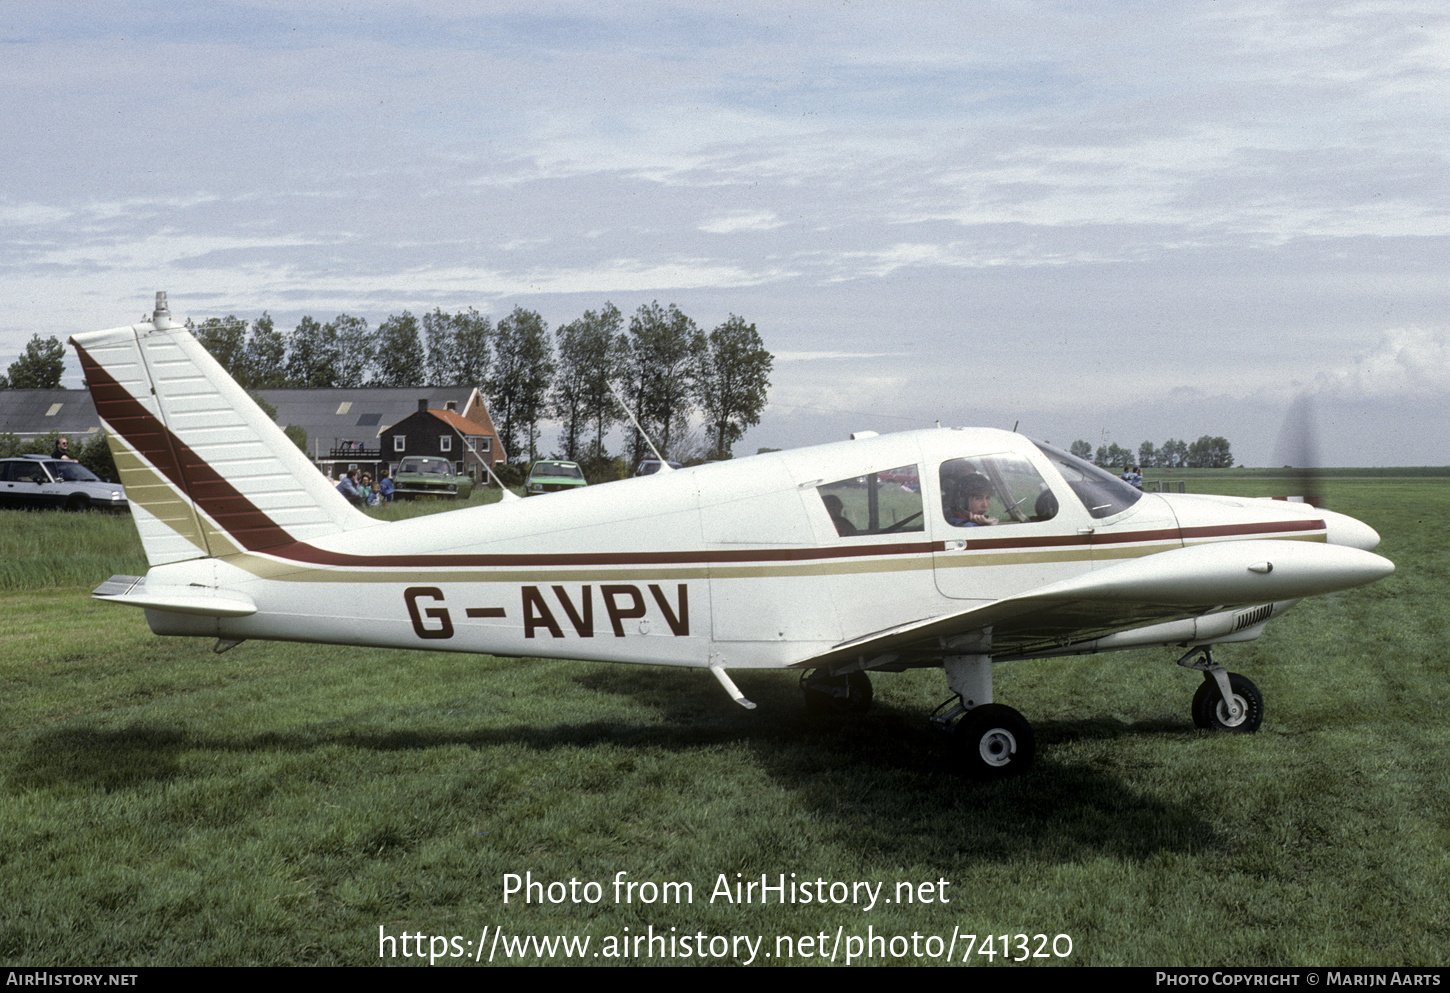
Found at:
(1232, 715)
(997, 747)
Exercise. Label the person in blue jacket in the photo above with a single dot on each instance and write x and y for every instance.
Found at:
(348, 488)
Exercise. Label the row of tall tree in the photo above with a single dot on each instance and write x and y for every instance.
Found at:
(665, 367)
(1208, 452)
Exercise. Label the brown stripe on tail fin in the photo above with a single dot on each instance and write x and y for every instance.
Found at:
(207, 473)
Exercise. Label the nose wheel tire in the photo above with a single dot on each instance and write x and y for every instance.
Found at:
(995, 742)
(1211, 713)
(841, 696)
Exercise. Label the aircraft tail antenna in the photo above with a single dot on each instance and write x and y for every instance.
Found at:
(664, 466)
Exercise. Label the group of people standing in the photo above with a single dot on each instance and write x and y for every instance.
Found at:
(361, 491)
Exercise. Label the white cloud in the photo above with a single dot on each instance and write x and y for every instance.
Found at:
(1168, 195)
(611, 277)
(788, 356)
(31, 214)
(1407, 362)
(762, 220)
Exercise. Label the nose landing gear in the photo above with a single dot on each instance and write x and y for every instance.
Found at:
(1225, 701)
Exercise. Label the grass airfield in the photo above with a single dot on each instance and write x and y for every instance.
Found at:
(277, 805)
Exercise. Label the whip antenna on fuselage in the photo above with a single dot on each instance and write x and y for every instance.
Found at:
(664, 466)
(508, 494)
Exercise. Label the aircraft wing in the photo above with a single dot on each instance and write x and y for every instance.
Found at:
(1180, 585)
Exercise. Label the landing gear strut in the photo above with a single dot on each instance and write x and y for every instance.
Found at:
(1225, 701)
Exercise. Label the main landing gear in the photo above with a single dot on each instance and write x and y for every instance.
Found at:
(1225, 701)
(993, 740)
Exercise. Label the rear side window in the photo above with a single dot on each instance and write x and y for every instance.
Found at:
(885, 502)
(71, 472)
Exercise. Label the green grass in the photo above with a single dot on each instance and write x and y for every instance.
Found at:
(162, 805)
(40, 549)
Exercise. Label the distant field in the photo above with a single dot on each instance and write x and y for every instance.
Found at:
(1287, 472)
(279, 804)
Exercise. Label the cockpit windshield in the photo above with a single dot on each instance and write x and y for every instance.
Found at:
(1102, 493)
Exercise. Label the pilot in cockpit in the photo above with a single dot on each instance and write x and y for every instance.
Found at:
(972, 497)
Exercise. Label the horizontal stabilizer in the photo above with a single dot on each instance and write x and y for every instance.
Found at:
(200, 600)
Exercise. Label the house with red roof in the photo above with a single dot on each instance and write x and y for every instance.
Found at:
(466, 438)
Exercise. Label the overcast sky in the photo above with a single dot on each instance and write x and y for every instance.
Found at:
(1118, 222)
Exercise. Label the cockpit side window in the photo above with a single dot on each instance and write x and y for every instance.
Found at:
(886, 502)
(1102, 493)
(994, 489)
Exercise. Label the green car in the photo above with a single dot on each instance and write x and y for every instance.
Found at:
(550, 477)
(421, 476)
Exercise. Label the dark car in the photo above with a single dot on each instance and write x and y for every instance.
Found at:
(651, 466)
(41, 481)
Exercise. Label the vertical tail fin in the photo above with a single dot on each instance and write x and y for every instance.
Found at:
(207, 473)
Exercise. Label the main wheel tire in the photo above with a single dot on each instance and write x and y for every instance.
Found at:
(995, 741)
(77, 502)
(840, 696)
(1211, 713)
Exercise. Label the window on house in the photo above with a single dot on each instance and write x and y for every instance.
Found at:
(445, 443)
(400, 443)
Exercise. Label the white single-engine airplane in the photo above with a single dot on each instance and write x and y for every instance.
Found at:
(951, 548)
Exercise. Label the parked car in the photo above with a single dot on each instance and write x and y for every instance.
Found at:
(424, 476)
(41, 481)
(551, 476)
(651, 466)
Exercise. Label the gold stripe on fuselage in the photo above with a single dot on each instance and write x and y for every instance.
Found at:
(267, 567)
